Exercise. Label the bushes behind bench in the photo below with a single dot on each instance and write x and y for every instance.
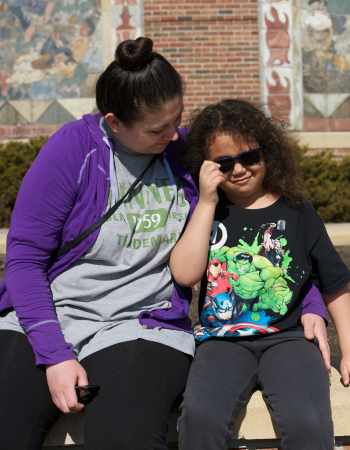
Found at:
(327, 180)
(15, 159)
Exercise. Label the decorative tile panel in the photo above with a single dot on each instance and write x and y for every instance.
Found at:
(53, 51)
(277, 76)
(305, 56)
(326, 64)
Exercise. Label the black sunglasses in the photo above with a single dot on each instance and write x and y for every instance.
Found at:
(248, 158)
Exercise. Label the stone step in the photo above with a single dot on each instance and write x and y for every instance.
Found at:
(256, 425)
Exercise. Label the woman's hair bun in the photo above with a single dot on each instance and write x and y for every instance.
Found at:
(134, 54)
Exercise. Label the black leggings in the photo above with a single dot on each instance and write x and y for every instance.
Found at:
(140, 383)
(287, 368)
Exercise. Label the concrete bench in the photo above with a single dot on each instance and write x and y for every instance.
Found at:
(255, 431)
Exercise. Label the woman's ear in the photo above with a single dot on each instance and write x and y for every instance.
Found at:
(113, 122)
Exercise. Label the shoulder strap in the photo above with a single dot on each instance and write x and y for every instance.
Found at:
(84, 234)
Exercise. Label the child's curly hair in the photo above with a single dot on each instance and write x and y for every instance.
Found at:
(241, 119)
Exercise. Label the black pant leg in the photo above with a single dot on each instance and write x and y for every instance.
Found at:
(140, 382)
(221, 380)
(295, 384)
(26, 409)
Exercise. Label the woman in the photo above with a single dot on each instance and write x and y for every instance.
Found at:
(142, 322)
(103, 309)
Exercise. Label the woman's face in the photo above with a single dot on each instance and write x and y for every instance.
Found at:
(244, 181)
(153, 132)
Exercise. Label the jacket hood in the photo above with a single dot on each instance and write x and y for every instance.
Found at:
(94, 124)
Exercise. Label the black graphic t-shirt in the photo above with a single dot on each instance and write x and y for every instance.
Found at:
(260, 260)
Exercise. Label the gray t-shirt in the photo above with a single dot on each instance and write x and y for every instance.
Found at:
(98, 299)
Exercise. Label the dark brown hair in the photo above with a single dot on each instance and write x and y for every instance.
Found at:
(241, 119)
(137, 79)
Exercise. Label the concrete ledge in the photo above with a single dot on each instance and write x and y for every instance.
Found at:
(256, 424)
(339, 233)
(3, 236)
(68, 431)
(330, 139)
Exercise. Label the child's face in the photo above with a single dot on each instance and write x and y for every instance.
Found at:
(243, 181)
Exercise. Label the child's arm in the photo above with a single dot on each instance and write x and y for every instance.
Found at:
(333, 276)
(188, 259)
(339, 310)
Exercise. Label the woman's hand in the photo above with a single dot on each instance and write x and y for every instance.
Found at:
(315, 328)
(210, 177)
(62, 379)
(345, 370)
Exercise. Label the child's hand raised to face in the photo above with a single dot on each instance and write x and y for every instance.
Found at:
(210, 177)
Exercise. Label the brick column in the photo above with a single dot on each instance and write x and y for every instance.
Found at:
(215, 46)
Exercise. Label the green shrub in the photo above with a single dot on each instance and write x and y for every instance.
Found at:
(327, 184)
(326, 179)
(15, 159)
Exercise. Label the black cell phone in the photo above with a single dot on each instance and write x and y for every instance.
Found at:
(86, 393)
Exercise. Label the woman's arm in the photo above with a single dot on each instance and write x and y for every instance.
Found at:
(188, 259)
(313, 319)
(43, 203)
(45, 199)
(339, 310)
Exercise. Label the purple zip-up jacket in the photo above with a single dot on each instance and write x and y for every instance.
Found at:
(63, 193)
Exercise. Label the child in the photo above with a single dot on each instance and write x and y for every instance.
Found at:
(266, 241)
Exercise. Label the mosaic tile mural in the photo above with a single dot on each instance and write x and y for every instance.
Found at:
(51, 52)
(305, 50)
(326, 64)
(279, 79)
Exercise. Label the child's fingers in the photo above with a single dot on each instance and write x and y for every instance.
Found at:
(209, 167)
(211, 174)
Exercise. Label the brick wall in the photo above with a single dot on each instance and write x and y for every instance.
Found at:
(214, 45)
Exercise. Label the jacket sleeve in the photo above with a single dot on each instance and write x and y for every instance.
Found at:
(313, 302)
(45, 199)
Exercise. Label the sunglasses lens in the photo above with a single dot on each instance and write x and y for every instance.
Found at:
(250, 158)
(226, 164)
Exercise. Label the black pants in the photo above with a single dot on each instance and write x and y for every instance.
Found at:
(288, 369)
(140, 382)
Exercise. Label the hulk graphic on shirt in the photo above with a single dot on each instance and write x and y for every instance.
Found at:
(256, 283)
